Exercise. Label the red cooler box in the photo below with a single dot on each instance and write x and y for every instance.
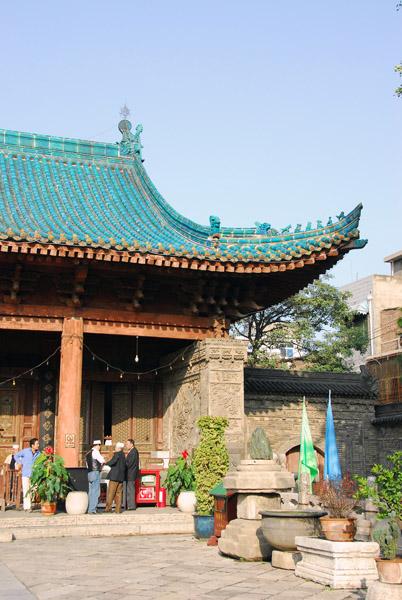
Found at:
(147, 488)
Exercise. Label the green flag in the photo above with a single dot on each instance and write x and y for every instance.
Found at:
(307, 462)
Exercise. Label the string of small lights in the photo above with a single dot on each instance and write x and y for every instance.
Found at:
(109, 366)
(32, 369)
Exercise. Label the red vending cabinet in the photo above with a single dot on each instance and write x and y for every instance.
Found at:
(147, 488)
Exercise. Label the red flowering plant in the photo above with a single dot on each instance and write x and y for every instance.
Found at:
(179, 477)
(49, 479)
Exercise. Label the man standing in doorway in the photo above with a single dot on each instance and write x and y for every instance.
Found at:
(95, 461)
(116, 477)
(26, 458)
(132, 464)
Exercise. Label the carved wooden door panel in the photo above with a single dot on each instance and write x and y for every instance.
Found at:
(10, 421)
(98, 410)
(121, 411)
(144, 417)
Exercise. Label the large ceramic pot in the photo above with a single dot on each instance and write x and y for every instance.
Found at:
(339, 530)
(76, 503)
(280, 527)
(186, 502)
(48, 508)
(203, 526)
(389, 571)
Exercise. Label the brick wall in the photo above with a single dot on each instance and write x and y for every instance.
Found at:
(280, 417)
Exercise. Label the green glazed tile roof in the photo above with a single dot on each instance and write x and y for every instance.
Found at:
(74, 192)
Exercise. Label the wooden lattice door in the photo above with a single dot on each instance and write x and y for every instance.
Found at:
(10, 421)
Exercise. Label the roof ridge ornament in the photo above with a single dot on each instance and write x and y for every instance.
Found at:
(130, 144)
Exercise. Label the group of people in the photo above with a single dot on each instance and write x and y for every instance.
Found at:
(122, 468)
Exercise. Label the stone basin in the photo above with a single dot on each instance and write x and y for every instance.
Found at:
(280, 527)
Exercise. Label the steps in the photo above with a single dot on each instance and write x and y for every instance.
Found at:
(140, 522)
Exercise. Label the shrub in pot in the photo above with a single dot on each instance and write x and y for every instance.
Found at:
(389, 567)
(337, 496)
(386, 493)
(179, 477)
(210, 463)
(49, 480)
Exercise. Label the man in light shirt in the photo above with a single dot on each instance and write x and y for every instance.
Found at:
(27, 457)
(94, 464)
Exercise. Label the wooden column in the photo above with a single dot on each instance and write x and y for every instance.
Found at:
(68, 420)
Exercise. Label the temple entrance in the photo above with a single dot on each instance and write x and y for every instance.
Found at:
(117, 411)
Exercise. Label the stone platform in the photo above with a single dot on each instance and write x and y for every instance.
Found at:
(18, 525)
(342, 565)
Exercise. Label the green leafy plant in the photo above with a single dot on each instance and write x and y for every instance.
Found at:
(180, 477)
(211, 461)
(387, 538)
(49, 478)
(386, 492)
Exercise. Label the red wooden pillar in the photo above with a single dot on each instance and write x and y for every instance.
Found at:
(68, 417)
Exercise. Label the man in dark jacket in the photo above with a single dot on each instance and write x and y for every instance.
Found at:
(116, 477)
(132, 464)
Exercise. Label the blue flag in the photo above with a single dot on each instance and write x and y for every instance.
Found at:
(332, 468)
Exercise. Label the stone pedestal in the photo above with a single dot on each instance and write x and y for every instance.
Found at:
(258, 484)
(384, 591)
(344, 565)
(243, 538)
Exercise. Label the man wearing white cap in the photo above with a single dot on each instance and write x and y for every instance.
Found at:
(95, 461)
(116, 477)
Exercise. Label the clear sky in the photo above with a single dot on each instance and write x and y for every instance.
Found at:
(266, 110)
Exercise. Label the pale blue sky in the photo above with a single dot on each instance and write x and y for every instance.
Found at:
(267, 110)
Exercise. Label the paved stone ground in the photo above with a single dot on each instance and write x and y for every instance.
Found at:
(174, 567)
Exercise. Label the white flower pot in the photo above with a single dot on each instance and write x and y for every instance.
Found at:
(76, 503)
(186, 502)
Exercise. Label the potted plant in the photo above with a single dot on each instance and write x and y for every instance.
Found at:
(180, 483)
(210, 463)
(337, 496)
(389, 567)
(386, 494)
(49, 480)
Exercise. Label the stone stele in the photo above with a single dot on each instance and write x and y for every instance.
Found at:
(258, 484)
(344, 565)
(260, 446)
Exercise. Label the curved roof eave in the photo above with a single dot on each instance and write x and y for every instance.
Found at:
(85, 195)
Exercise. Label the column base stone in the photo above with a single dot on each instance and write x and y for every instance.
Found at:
(285, 560)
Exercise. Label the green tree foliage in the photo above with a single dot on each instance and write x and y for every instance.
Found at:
(386, 492)
(398, 91)
(317, 321)
(210, 462)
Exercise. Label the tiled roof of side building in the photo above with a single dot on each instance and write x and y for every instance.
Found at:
(71, 192)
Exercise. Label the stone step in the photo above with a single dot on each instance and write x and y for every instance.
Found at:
(62, 525)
